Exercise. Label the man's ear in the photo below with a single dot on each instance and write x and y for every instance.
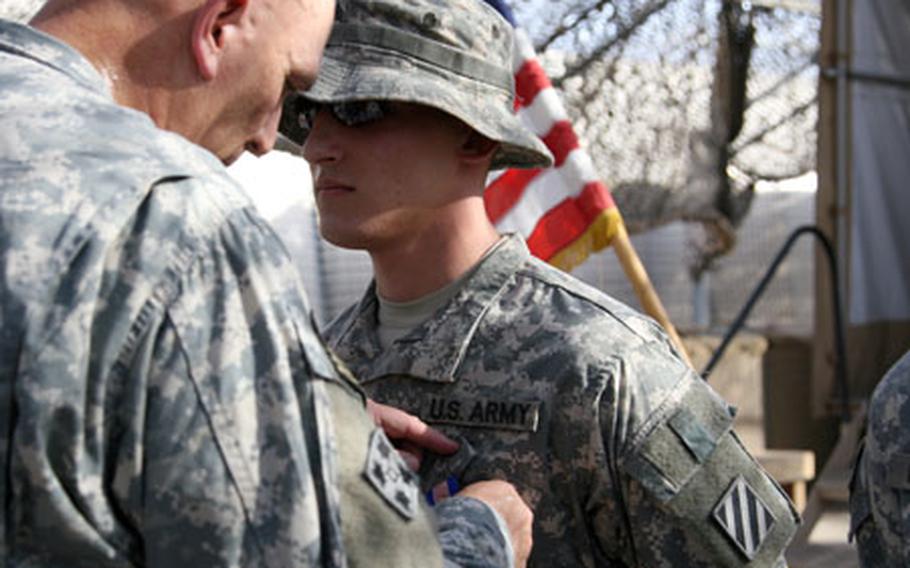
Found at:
(211, 26)
(476, 147)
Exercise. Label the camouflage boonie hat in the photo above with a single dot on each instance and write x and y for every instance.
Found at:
(453, 55)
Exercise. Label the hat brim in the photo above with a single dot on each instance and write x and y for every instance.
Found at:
(352, 73)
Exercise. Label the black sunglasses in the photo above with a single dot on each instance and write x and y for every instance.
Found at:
(299, 113)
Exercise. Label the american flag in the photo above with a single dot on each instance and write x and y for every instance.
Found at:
(564, 212)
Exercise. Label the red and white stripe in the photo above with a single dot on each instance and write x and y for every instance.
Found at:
(553, 208)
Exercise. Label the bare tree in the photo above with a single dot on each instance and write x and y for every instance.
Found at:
(685, 104)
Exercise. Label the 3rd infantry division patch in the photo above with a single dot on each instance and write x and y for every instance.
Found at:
(743, 517)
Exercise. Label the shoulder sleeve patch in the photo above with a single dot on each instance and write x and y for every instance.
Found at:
(675, 450)
(744, 517)
(706, 487)
(390, 476)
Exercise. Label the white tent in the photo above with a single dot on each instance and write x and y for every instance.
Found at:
(864, 172)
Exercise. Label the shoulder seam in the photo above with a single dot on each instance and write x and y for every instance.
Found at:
(528, 272)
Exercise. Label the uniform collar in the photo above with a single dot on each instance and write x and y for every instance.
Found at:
(434, 350)
(38, 46)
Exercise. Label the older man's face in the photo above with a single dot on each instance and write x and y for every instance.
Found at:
(279, 49)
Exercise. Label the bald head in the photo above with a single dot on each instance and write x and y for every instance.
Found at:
(214, 71)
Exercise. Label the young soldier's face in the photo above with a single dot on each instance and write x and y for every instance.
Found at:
(377, 184)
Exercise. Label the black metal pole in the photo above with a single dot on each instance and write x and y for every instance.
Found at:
(841, 364)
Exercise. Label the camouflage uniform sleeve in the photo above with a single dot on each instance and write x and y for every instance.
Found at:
(235, 465)
(192, 512)
(690, 493)
(880, 486)
(473, 535)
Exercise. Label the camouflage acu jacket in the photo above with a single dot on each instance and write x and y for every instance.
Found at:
(880, 489)
(164, 397)
(627, 457)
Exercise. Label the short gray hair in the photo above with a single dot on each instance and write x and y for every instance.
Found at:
(19, 10)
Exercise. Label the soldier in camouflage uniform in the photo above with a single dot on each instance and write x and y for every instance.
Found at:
(627, 457)
(165, 399)
(880, 490)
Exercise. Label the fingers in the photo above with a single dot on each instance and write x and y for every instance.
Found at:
(503, 497)
(401, 426)
(412, 454)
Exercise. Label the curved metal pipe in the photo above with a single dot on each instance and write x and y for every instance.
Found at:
(841, 365)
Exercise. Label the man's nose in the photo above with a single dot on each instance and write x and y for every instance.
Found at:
(264, 140)
(321, 144)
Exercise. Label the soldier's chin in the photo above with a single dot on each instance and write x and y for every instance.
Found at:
(341, 238)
